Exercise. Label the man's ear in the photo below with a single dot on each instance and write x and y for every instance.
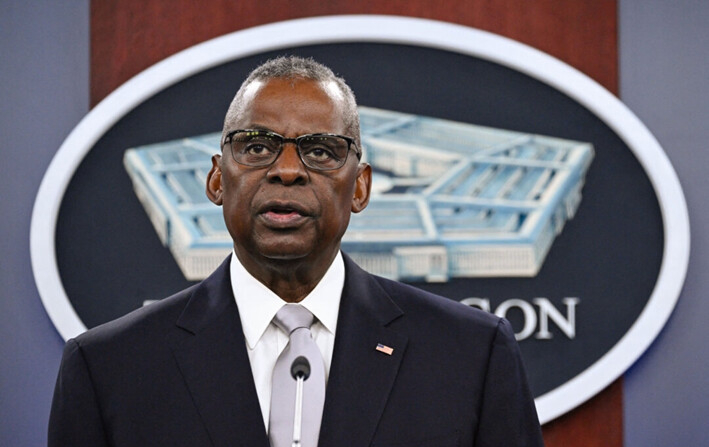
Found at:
(214, 181)
(363, 187)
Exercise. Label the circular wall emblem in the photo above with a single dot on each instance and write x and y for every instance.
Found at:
(505, 179)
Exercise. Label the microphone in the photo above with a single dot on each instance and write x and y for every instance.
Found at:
(300, 370)
(300, 366)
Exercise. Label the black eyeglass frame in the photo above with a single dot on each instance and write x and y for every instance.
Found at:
(350, 144)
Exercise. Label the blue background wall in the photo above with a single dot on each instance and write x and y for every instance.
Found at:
(664, 79)
(44, 92)
(44, 79)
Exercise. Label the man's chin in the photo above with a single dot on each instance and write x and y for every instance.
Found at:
(283, 251)
(285, 256)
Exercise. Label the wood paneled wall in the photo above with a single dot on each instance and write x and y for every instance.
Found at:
(128, 36)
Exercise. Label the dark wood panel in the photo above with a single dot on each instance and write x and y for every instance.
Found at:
(597, 423)
(128, 36)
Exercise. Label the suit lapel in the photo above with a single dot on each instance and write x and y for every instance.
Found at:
(211, 354)
(361, 377)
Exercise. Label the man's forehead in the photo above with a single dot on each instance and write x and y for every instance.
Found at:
(252, 95)
(333, 90)
(330, 87)
(251, 90)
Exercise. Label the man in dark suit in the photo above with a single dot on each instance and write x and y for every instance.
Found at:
(403, 367)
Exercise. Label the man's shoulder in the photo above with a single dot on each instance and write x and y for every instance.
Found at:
(413, 300)
(146, 323)
(419, 305)
(443, 329)
(150, 324)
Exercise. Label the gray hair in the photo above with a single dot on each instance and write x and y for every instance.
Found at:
(293, 67)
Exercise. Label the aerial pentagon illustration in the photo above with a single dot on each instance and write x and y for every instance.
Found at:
(449, 199)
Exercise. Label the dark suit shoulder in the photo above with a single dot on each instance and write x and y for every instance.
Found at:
(142, 324)
(415, 301)
(145, 332)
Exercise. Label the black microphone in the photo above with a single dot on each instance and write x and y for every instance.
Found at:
(300, 370)
(300, 367)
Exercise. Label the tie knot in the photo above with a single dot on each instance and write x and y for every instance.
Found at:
(292, 317)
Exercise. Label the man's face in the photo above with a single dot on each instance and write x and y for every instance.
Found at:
(285, 211)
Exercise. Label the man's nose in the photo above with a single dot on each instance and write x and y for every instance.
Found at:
(288, 167)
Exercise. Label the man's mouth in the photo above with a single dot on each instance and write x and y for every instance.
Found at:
(283, 215)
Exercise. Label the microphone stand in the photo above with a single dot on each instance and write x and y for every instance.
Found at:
(300, 370)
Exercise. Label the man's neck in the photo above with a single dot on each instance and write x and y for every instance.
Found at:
(291, 279)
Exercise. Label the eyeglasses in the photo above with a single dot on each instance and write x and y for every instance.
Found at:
(320, 151)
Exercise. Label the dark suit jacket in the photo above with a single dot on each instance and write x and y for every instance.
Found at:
(176, 373)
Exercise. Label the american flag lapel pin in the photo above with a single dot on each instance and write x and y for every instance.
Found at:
(385, 349)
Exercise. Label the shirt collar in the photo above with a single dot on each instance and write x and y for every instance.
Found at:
(258, 304)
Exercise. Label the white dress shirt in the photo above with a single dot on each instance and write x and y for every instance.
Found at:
(264, 340)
